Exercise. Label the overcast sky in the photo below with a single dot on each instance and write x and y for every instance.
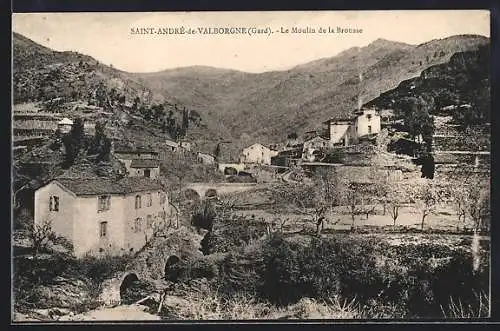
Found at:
(107, 37)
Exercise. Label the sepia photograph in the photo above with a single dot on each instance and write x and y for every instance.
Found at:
(251, 166)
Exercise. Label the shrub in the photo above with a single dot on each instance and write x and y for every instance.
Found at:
(188, 270)
(204, 216)
(236, 231)
(239, 273)
(99, 268)
(136, 291)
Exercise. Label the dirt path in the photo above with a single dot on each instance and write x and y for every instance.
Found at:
(120, 313)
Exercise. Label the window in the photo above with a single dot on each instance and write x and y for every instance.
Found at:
(103, 229)
(369, 129)
(149, 200)
(147, 173)
(163, 197)
(137, 201)
(137, 225)
(149, 221)
(103, 202)
(369, 116)
(54, 203)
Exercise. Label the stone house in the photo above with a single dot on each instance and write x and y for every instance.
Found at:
(313, 145)
(102, 215)
(367, 122)
(172, 145)
(257, 154)
(185, 144)
(340, 131)
(347, 130)
(205, 158)
(139, 161)
(149, 168)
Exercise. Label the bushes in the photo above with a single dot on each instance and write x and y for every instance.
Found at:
(322, 269)
(138, 290)
(98, 269)
(405, 281)
(237, 231)
(205, 267)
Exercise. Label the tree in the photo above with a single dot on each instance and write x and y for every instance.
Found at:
(426, 200)
(217, 152)
(100, 144)
(40, 236)
(396, 197)
(312, 199)
(351, 197)
(459, 197)
(415, 113)
(135, 105)
(74, 142)
(100, 95)
(477, 202)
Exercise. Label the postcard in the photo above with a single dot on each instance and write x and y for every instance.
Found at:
(284, 165)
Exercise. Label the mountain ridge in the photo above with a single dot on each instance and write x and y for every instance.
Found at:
(248, 107)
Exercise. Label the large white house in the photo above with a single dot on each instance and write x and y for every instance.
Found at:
(101, 215)
(345, 131)
(257, 154)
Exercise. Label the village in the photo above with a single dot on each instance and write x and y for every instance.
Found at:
(121, 216)
(354, 186)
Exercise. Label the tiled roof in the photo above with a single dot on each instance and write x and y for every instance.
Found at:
(124, 147)
(65, 121)
(144, 163)
(171, 143)
(94, 186)
(340, 118)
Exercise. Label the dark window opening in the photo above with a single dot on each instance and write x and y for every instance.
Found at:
(137, 225)
(103, 229)
(54, 203)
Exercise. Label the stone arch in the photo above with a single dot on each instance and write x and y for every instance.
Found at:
(127, 280)
(211, 193)
(230, 171)
(171, 273)
(192, 194)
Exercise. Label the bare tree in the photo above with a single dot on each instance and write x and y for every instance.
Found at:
(351, 196)
(40, 236)
(426, 199)
(396, 197)
(312, 199)
(477, 203)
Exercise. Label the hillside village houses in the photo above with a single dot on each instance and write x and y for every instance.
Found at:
(101, 215)
(172, 145)
(139, 162)
(257, 154)
(185, 144)
(345, 131)
(311, 146)
(205, 158)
